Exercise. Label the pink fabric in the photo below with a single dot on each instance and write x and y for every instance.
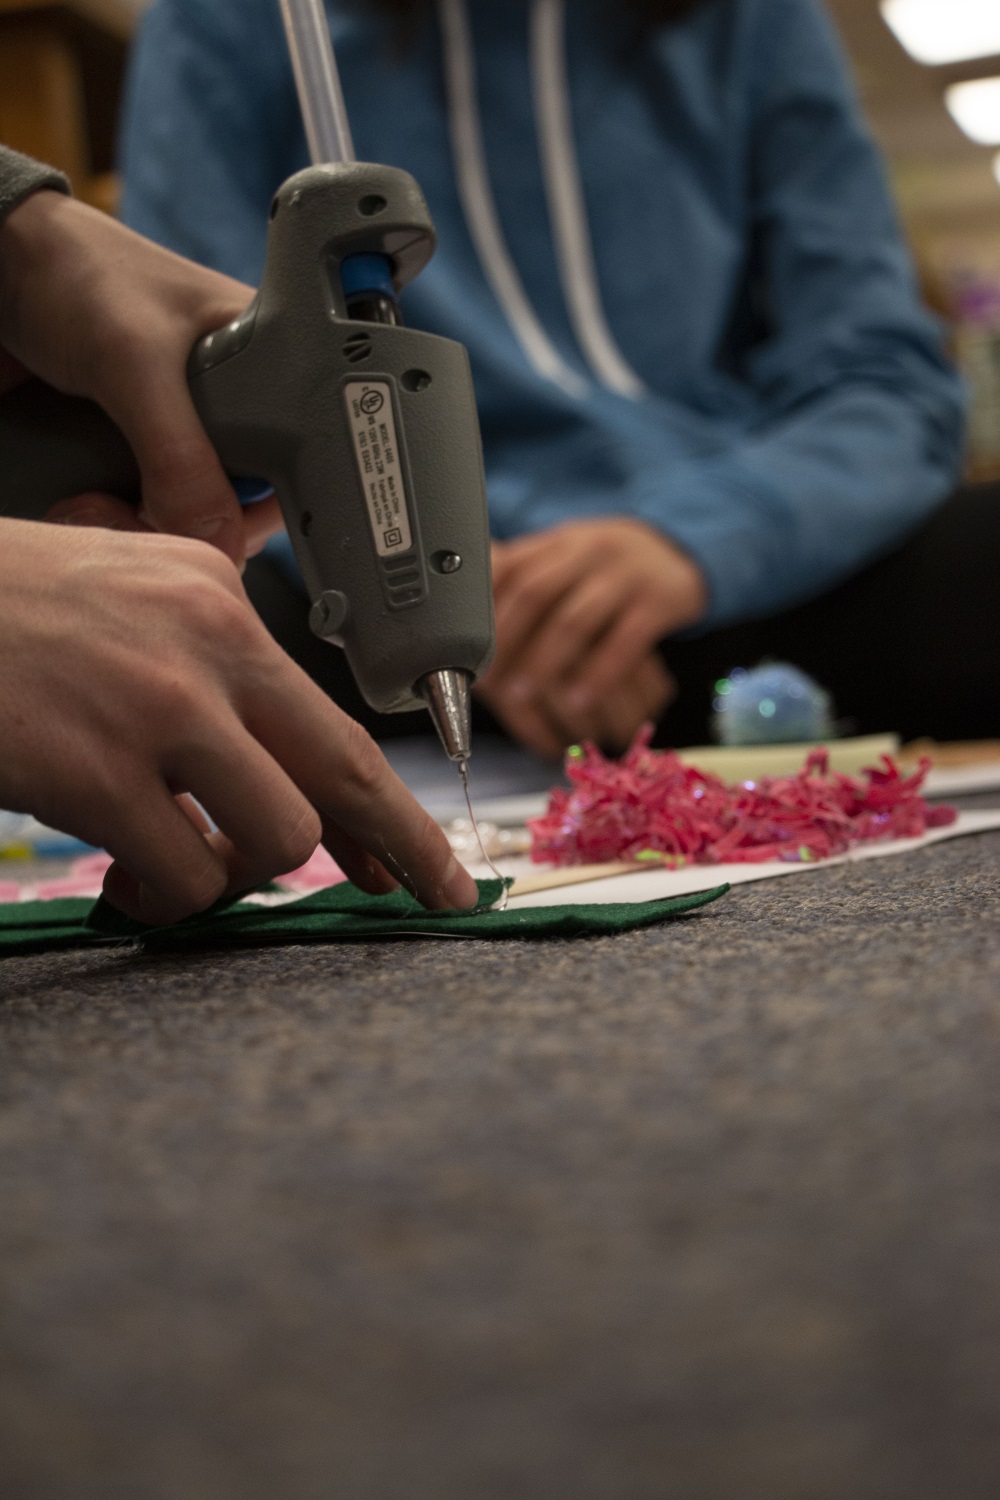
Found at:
(86, 878)
(316, 874)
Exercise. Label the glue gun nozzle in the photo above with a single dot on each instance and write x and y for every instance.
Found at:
(447, 697)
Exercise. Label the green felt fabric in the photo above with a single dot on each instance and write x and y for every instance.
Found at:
(35, 926)
(340, 912)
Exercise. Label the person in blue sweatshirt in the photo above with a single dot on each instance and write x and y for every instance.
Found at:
(708, 390)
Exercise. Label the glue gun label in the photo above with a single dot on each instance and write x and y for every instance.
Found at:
(373, 423)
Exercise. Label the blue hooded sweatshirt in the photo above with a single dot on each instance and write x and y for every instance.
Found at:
(671, 255)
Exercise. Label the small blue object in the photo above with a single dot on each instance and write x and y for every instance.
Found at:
(367, 273)
(775, 704)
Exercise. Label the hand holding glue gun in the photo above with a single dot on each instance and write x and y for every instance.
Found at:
(134, 671)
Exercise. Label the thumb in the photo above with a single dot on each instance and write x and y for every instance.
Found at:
(185, 490)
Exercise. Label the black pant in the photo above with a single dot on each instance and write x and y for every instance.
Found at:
(910, 644)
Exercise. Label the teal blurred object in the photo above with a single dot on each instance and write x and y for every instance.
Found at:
(774, 704)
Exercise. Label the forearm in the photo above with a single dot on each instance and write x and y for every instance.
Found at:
(790, 511)
(772, 516)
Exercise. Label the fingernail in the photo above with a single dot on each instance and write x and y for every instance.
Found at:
(519, 690)
(85, 518)
(204, 530)
(459, 888)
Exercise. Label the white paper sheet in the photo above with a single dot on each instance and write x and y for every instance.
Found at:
(657, 885)
(956, 781)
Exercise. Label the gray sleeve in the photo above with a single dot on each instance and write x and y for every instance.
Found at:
(20, 176)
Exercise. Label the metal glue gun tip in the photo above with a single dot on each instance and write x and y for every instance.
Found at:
(446, 694)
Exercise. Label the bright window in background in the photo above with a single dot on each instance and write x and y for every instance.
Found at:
(975, 108)
(944, 31)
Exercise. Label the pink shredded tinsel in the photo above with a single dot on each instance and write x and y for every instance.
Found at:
(650, 806)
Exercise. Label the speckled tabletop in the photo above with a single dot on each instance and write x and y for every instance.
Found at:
(711, 1211)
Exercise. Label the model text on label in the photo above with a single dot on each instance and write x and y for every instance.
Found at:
(373, 423)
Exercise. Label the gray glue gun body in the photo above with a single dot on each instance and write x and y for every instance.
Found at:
(367, 431)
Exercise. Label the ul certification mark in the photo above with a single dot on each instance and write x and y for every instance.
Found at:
(373, 425)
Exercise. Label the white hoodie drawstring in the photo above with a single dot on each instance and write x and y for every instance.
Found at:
(567, 208)
(564, 195)
(479, 205)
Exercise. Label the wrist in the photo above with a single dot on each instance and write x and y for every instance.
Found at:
(690, 588)
(28, 235)
(682, 577)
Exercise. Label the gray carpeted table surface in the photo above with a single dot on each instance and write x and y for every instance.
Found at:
(710, 1212)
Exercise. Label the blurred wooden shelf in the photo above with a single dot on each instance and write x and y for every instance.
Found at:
(114, 16)
(61, 72)
(983, 472)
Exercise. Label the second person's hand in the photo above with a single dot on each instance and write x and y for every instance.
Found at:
(580, 611)
(542, 724)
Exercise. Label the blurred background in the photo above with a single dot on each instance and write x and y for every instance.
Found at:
(928, 72)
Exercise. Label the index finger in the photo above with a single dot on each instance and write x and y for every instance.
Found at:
(345, 776)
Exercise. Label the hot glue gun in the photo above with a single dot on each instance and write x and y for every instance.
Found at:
(366, 430)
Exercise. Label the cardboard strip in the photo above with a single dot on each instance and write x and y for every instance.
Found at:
(554, 879)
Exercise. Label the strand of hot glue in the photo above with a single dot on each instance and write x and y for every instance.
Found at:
(501, 903)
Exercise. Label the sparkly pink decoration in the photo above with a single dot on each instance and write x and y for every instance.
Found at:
(650, 807)
(85, 878)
